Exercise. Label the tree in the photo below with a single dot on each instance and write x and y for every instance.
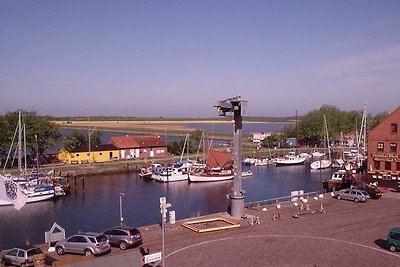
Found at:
(74, 140)
(271, 141)
(95, 138)
(40, 132)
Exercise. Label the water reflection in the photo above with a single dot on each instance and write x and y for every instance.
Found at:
(97, 207)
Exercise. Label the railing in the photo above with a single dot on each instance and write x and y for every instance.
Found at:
(279, 199)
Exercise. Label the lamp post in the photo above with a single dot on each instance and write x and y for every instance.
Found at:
(237, 194)
(163, 208)
(120, 208)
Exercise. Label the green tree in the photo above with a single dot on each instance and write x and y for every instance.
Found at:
(40, 132)
(95, 138)
(375, 120)
(271, 141)
(75, 139)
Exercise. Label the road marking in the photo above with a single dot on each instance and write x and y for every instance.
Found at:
(284, 236)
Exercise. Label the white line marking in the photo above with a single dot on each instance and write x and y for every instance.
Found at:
(283, 236)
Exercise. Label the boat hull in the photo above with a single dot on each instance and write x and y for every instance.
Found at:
(290, 162)
(32, 198)
(170, 178)
(209, 177)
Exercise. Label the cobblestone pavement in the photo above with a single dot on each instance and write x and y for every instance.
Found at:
(347, 234)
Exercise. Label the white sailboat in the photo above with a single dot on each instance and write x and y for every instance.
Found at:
(34, 193)
(218, 168)
(323, 163)
(179, 170)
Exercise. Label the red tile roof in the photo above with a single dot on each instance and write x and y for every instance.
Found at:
(138, 141)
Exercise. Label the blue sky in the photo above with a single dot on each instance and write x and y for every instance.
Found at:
(178, 58)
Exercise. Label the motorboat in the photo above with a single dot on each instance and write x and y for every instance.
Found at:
(321, 164)
(290, 159)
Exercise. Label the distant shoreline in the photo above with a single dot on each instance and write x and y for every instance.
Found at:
(173, 127)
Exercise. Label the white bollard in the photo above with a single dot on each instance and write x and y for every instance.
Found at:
(172, 217)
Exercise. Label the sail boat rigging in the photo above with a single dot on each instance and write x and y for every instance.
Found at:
(323, 163)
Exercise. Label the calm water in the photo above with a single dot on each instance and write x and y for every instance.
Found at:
(97, 207)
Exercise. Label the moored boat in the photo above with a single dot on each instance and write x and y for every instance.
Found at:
(291, 159)
(219, 167)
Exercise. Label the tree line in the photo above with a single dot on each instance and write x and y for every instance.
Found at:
(41, 133)
(309, 128)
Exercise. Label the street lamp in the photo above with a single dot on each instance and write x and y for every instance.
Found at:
(163, 208)
(235, 105)
(120, 208)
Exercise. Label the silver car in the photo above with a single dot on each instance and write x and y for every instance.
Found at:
(355, 195)
(84, 243)
(124, 236)
(21, 256)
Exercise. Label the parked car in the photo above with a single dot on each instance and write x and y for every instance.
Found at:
(21, 256)
(84, 243)
(124, 236)
(373, 192)
(393, 239)
(356, 195)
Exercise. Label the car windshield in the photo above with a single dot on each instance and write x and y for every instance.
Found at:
(101, 238)
(34, 251)
(134, 231)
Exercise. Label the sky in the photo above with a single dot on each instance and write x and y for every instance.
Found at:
(178, 58)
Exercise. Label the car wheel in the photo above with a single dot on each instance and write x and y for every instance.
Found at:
(392, 248)
(60, 250)
(338, 197)
(356, 200)
(123, 245)
(3, 262)
(88, 252)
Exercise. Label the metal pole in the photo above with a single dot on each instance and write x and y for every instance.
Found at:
(162, 230)
(237, 194)
(120, 208)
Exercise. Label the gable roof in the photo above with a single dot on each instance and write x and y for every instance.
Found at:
(138, 141)
(391, 118)
(101, 147)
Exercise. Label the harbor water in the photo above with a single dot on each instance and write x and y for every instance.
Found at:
(97, 207)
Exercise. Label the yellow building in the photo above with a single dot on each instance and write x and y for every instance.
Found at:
(79, 155)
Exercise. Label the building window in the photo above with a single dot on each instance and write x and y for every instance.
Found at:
(388, 165)
(381, 146)
(398, 166)
(393, 147)
(377, 165)
(393, 127)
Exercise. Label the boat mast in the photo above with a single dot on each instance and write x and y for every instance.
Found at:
(363, 130)
(25, 165)
(19, 143)
(184, 146)
(327, 138)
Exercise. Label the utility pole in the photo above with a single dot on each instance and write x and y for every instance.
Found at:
(121, 218)
(237, 194)
(163, 208)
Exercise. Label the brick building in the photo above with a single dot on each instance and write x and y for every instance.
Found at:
(384, 151)
(139, 146)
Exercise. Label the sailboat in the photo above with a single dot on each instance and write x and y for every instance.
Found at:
(219, 167)
(33, 192)
(179, 170)
(323, 163)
